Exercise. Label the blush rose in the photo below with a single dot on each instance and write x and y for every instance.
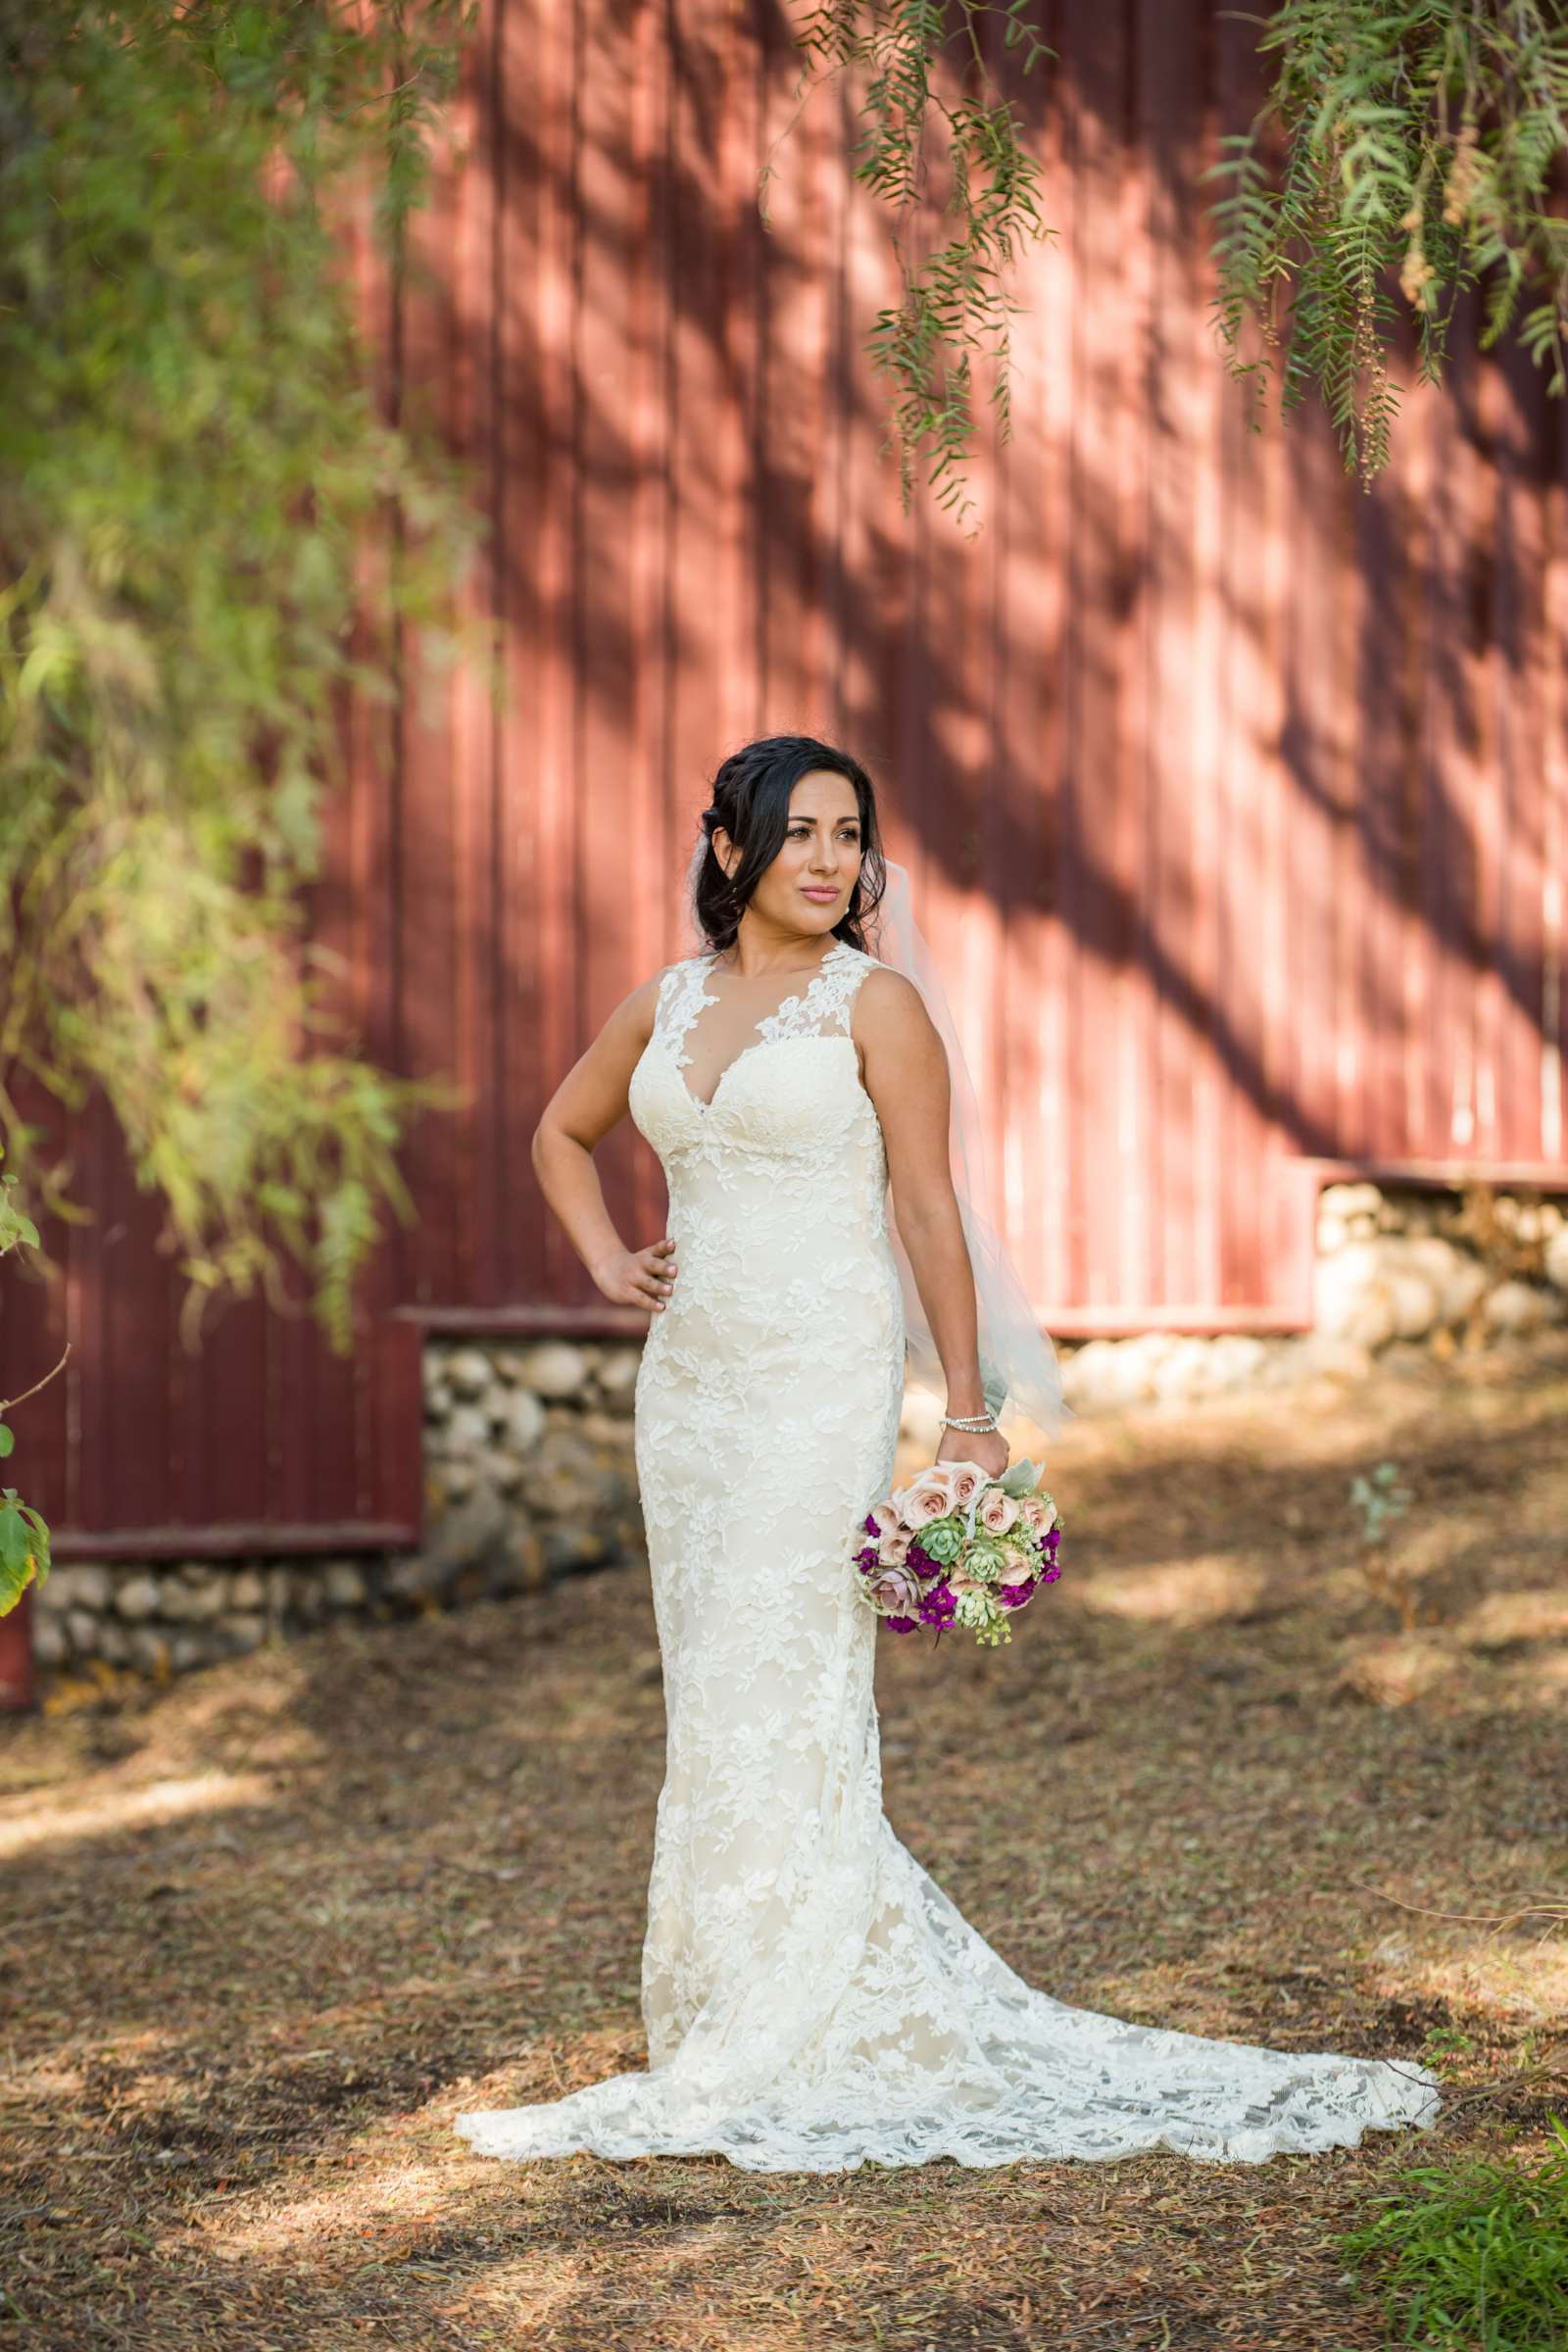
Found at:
(998, 1511)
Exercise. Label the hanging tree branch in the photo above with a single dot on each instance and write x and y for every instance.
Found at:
(951, 301)
(195, 512)
(1419, 142)
(1422, 142)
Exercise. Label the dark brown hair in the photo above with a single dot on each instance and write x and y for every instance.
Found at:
(751, 798)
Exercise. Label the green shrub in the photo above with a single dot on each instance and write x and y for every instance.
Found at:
(1475, 2259)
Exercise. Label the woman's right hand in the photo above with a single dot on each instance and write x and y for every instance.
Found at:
(639, 1277)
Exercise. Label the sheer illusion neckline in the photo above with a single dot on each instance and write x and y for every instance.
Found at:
(801, 997)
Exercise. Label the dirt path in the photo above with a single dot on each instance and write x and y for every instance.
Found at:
(266, 1931)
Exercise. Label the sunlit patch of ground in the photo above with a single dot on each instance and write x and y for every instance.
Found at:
(110, 1809)
(1195, 1591)
(266, 1931)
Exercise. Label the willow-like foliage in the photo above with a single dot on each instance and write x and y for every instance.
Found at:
(194, 485)
(952, 301)
(1421, 144)
(1407, 149)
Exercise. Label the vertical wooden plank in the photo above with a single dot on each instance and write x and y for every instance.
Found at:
(299, 1479)
(1104, 595)
(959, 658)
(1076, 1190)
(295, 1381)
(428, 882)
(1011, 812)
(1337, 723)
(1048, 618)
(1552, 1083)
(652, 846)
(32, 1338)
(391, 1411)
(228, 1478)
(347, 913)
(868, 536)
(365, 869)
(1488, 808)
(1449, 865)
(471, 426)
(532, 114)
(712, 694)
(797, 419)
(915, 837)
(1381, 584)
(1514, 394)
(1395, 1051)
(837, 441)
(126, 1390)
(542, 60)
(1426, 432)
(34, 1329)
(1138, 1199)
(1248, 1014)
(18, 1689)
(1312, 775)
(87, 1295)
(1185, 877)
(604, 651)
(730, 384)
(623, 834)
(1018, 786)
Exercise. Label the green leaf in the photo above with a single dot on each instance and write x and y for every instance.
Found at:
(24, 1549)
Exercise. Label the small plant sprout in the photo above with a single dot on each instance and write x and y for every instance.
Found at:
(1382, 1501)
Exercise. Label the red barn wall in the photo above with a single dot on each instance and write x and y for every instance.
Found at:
(1234, 794)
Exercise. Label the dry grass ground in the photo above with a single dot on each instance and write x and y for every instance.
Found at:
(269, 1930)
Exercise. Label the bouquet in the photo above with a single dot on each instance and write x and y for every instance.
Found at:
(955, 1547)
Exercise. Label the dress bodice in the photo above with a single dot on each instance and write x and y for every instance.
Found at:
(792, 1091)
(778, 1184)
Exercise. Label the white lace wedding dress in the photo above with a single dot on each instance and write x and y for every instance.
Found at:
(812, 2001)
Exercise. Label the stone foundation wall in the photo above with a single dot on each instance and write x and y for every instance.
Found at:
(528, 1452)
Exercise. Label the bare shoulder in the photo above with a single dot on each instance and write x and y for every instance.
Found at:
(887, 1005)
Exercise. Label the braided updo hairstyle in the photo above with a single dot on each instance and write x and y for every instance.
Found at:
(751, 800)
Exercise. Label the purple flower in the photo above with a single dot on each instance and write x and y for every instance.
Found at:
(1013, 1596)
(1049, 1576)
(920, 1561)
(870, 1525)
(900, 1625)
(938, 1607)
(867, 1559)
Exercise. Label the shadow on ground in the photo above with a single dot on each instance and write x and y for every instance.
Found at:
(266, 1931)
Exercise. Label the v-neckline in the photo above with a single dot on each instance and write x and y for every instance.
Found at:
(703, 998)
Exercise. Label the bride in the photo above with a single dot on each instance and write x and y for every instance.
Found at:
(812, 2001)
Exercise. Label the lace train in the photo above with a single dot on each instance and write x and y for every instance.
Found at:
(967, 2061)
